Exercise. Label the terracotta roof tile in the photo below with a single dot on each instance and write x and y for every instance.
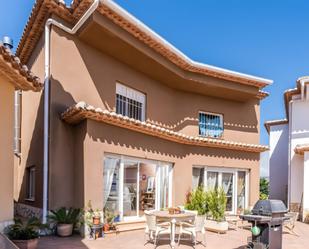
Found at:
(82, 111)
(301, 149)
(18, 74)
(44, 8)
(270, 123)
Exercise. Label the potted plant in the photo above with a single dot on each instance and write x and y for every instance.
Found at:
(96, 217)
(65, 220)
(197, 200)
(88, 218)
(108, 220)
(24, 234)
(216, 202)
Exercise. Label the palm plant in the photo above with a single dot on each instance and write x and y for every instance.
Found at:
(24, 230)
(65, 216)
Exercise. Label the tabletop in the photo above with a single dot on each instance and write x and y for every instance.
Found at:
(167, 215)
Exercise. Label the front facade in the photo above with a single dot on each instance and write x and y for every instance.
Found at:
(12, 77)
(289, 150)
(133, 127)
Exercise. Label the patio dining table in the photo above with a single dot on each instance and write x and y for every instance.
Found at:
(173, 219)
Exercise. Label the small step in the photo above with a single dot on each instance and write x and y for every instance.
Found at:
(125, 226)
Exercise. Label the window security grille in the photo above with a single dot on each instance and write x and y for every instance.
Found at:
(130, 103)
(210, 125)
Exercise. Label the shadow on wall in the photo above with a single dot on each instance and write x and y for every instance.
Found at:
(278, 168)
(104, 83)
(61, 156)
(128, 139)
(34, 159)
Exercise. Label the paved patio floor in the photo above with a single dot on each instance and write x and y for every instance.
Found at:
(135, 240)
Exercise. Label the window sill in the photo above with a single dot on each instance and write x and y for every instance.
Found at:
(220, 137)
(30, 199)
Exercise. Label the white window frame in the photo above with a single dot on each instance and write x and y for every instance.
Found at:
(221, 118)
(133, 94)
(234, 171)
(159, 165)
(30, 183)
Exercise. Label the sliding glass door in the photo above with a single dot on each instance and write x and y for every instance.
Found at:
(234, 182)
(130, 188)
(133, 185)
(227, 185)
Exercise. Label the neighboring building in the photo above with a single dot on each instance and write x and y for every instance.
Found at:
(13, 76)
(289, 150)
(135, 124)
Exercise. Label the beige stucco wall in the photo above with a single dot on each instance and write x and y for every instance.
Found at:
(102, 138)
(6, 148)
(81, 73)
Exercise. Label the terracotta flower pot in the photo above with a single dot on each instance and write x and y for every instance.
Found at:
(26, 244)
(215, 226)
(96, 220)
(106, 227)
(64, 230)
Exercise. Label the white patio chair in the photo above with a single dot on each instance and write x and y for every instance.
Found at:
(194, 213)
(291, 222)
(192, 229)
(154, 229)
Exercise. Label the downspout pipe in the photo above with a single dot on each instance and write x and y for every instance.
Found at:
(71, 31)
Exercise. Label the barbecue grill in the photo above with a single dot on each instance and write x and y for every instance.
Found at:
(266, 218)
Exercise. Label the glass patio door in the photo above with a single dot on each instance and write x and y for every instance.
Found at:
(130, 195)
(234, 182)
(228, 188)
(132, 186)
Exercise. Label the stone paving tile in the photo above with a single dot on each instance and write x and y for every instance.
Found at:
(135, 240)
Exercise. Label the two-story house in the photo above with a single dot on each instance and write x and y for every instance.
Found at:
(14, 78)
(134, 123)
(289, 150)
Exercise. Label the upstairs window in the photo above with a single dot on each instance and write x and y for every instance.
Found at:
(130, 103)
(210, 124)
(31, 183)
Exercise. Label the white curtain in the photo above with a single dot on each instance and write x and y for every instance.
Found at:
(212, 180)
(227, 181)
(108, 175)
(196, 177)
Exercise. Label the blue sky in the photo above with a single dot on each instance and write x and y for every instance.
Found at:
(260, 37)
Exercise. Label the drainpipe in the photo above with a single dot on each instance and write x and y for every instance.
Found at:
(72, 31)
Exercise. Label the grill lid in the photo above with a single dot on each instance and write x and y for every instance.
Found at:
(269, 207)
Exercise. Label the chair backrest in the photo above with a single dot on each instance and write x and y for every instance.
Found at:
(293, 217)
(194, 214)
(149, 211)
(150, 221)
(199, 222)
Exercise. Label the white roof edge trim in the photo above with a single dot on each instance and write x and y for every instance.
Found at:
(118, 9)
(271, 122)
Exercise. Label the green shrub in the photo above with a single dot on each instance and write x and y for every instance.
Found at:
(196, 200)
(263, 196)
(216, 202)
(264, 189)
(24, 230)
(65, 216)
